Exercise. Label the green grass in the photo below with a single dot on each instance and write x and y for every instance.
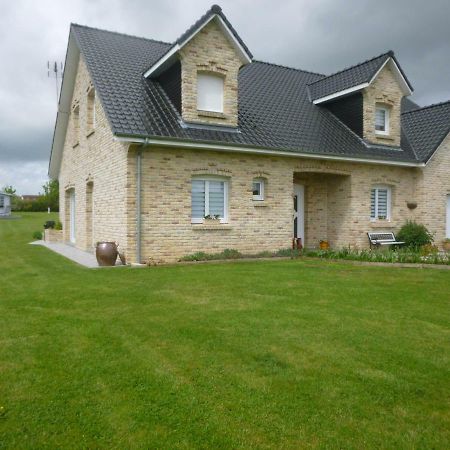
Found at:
(261, 354)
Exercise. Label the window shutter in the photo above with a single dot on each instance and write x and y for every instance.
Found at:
(198, 199)
(209, 92)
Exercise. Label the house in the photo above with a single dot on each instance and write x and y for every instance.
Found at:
(5, 204)
(30, 197)
(153, 137)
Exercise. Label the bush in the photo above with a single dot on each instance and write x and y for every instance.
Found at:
(37, 235)
(58, 225)
(414, 235)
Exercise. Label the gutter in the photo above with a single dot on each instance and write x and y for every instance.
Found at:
(139, 203)
(261, 151)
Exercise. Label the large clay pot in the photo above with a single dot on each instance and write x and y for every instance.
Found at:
(106, 253)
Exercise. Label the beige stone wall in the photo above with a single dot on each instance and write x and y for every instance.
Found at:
(337, 202)
(386, 91)
(433, 189)
(92, 156)
(211, 52)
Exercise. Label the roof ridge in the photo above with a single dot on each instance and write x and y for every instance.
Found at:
(426, 107)
(119, 33)
(288, 67)
(388, 53)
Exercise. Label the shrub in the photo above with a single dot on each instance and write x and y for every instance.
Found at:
(37, 235)
(58, 225)
(414, 235)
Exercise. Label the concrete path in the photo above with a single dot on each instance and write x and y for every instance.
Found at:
(86, 259)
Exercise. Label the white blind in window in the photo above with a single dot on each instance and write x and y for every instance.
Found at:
(209, 92)
(216, 198)
(380, 119)
(379, 203)
(198, 198)
(382, 203)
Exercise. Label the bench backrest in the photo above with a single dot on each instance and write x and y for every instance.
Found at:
(381, 237)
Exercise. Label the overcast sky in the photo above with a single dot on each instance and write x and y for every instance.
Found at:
(321, 35)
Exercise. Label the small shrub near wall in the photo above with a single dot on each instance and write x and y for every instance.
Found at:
(414, 235)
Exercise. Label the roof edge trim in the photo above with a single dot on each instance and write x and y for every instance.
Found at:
(256, 150)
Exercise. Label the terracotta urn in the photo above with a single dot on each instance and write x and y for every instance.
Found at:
(324, 245)
(106, 253)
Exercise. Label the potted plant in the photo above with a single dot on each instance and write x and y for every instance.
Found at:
(211, 219)
(324, 245)
(446, 245)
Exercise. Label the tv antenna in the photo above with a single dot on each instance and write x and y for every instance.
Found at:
(55, 70)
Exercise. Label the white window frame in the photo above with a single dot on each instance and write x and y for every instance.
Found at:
(207, 179)
(259, 197)
(388, 200)
(207, 81)
(387, 113)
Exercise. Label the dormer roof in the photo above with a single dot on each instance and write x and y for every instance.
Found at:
(214, 13)
(356, 78)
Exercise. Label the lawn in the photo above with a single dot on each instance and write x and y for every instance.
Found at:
(262, 354)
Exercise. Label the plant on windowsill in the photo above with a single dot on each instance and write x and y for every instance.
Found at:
(211, 219)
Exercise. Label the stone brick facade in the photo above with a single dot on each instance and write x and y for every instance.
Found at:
(337, 202)
(210, 52)
(432, 191)
(95, 167)
(385, 91)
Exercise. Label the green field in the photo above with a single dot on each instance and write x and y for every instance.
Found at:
(261, 354)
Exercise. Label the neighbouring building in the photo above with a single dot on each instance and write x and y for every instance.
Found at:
(174, 148)
(5, 204)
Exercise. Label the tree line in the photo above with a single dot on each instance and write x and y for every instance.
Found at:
(49, 198)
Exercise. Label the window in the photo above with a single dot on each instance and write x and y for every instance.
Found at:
(2, 201)
(209, 198)
(210, 92)
(258, 189)
(91, 110)
(76, 125)
(381, 120)
(380, 203)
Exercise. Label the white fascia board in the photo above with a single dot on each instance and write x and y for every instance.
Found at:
(65, 100)
(261, 151)
(242, 53)
(340, 93)
(397, 73)
(160, 64)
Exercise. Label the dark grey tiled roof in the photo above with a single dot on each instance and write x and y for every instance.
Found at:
(350, 77)
(274, 108)
(426, 128)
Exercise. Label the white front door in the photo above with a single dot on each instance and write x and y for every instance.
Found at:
(72, 216)
(299, 212)
(448, 217)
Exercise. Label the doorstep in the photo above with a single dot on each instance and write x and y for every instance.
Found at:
(81, 257)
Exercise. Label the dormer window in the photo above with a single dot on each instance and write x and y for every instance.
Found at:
(381, 120)
(210, 92)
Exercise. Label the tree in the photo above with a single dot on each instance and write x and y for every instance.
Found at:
(9, 190)
(50, 197)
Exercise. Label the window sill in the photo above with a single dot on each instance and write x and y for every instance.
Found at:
(90, 133)
(260, 203)
(382, 224)
(384, 136)
(214, 114)
(207, 226)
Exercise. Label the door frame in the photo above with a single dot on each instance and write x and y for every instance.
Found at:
(299, 192)
(72, 213)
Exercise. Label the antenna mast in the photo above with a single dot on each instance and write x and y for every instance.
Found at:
(55, 70)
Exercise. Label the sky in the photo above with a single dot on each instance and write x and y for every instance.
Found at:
(322, 36)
